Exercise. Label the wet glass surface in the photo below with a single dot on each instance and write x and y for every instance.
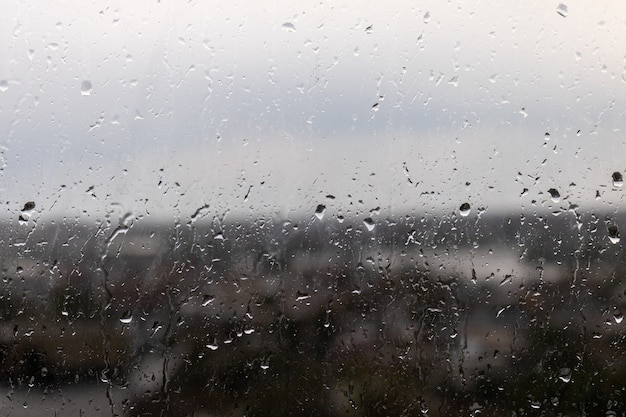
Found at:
(312, 209)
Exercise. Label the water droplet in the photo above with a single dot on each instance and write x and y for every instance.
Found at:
(4, 85)
(369, 224)
(85, 88)
(319, 211)
(289, 27)
(554, 195)
(465, 209)
(426, 17)
(26, 212)
(207, 299)
(614, 234)
(127, 317)
(565, 374)
(562, 10)
(618, 179)
(618, 317)
(369, 29)
(213, 345)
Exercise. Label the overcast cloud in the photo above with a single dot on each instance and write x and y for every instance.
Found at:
(268, 107)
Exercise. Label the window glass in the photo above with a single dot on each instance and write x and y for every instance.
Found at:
(312, 208)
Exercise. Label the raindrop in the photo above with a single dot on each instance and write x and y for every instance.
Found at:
(4, 85)
(562, 10)
(465, 209)
(554, 195)
(213, 345)
(319, 211)
(426, 17)
(618, 179)
(207, 299)
(614, 234)
(85, 88)
(289, 27)
(618, 317)
(565, 374)
(127, 317)
(369, 223)
(27, 211)
(29, 206)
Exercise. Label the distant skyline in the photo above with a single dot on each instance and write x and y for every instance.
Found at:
(106, 109)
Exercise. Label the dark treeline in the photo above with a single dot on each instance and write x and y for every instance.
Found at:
(515, 314)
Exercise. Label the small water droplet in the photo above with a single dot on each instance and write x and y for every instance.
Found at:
(554, 195)
(289, 27)
(562, 10)
(4, 85)
(618, 317)
(618, 179)
(213, 345)
(369, 29)
(319, 211)
(426, 17)
(369, 224)
(465, 209)
(85, 88)
(614, 234)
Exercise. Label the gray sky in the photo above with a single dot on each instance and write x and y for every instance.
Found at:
(274, 100)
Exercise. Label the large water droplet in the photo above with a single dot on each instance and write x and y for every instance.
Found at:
(369, 224)
(85, 88)
(554, 195)
(618, 179)
(465, 209)
(127, 317)
(614, 234)
(207, 299)
(319, 211)
(27, 211)
(562, 10)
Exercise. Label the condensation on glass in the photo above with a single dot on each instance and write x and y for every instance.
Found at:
(312, 208)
